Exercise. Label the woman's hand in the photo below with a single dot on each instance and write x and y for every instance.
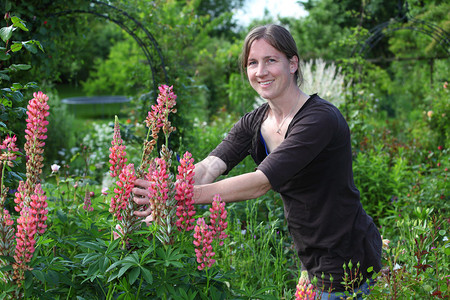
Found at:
(140, 197)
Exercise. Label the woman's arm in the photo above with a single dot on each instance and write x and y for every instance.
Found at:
(208, 170)
(238, 188)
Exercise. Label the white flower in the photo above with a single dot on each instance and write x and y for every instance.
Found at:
(55, 168)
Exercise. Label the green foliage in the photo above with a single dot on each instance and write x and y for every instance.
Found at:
(437, 108)
(12, 99)
(380, 181)
(416, 259)
(123, 73)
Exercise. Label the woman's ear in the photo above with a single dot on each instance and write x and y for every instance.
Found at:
(293, 64)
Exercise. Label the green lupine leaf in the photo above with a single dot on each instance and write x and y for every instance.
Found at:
(123, 270)
(147, 275)
(134, 274)
(114, 265)
(93, 246)
(39, 275)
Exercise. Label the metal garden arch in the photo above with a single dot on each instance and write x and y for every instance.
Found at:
(132, 27)
(404, 21)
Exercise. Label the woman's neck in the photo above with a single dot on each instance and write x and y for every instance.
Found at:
(287, 106)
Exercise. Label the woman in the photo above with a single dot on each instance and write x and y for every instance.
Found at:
(302, 147)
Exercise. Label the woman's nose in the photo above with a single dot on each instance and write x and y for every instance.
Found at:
(261, 70)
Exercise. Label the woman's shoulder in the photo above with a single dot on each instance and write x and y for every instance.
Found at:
(256, 115)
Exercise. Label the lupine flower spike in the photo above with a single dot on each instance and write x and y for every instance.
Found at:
(158, 192)
(30, 199)
(204, 234)
(203, 238)
(25, 241)
(7, 156)
(8, 147)
(37, 112)
(38, 209)
(87, 205)
(218, 219)
(120, 201)
(305, 290)
(185, 192)
(117, 157)
(157, 118)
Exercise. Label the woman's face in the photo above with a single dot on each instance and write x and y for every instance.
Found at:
(269, 71)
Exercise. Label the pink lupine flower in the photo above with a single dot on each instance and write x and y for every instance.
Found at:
(218, 219)
(5, 217)
(9, 144)
(123, 190)
(38, 209)
(37, 112)
(25, 237)
(165, 103)
(157, 118)
(185, 192)
(158, 191)
(87, 202)
(20, 196)
(203, 238)
(305, 290)
(117, 155)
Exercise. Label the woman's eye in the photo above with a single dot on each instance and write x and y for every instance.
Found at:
(272, 60)
(251, 63)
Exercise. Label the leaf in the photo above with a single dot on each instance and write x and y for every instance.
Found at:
(147, 275)
(19, 23)
(4, 55)
(17, 86)
(114, 265)
(6, 268)
(21, 67)
(39, 275)
(149, 249)
(17, 97)
(123, 270)
(16, 46)
(6, 32)
(133, 259)
(30, 47)
(61, 215)
(93, 246)
(134, 274)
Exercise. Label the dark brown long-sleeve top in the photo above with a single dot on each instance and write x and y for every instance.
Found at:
(312, 171)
